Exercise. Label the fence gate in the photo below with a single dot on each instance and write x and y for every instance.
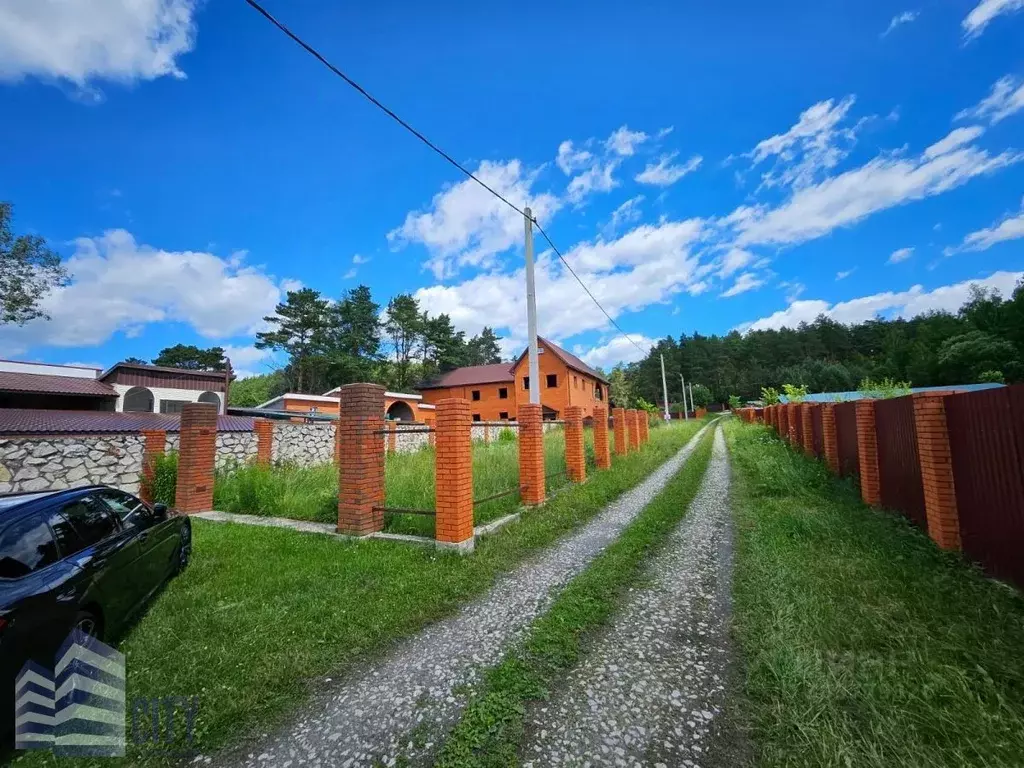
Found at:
(986, 440)
(899, 470)
(846, 438)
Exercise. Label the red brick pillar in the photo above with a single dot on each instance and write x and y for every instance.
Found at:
(867, 448)
(337, 446)
(575, 459)
(619, 428)
(633, 428)
(784, 421)
(197, 452)
(264, 429)
(361, 459)
(531, 454)
(936, 469)
(645, 427)
(602, 450)
(807, 427)
(829, 438)
(454, 471)
(155, 441)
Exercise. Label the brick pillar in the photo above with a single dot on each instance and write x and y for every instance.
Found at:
(361, 459)
(867, 447)
(575, 458)
(829, 438)
(645, 427)
(633, 427)
(264, 429)
(602, 450)
(936, 469)
(197, 451)
(531, 454)
(392, 437)
(453, 461)
(154, 445)
(784, 421)
(337, 446)
(619, 429)
(807, 430)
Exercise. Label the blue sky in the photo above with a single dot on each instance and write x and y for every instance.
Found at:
(703, 168)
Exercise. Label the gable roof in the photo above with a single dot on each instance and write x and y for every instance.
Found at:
(30, 420)
(54, 385)
(570, 360)
(472, 375)
(217, 375)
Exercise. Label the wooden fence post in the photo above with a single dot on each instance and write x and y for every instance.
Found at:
(602, 451)
(936, 469)
(867, 449)
(531, 454)
(453, 524)
(196, 457)
(361, 459)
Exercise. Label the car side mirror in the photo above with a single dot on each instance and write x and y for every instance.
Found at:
(160, 511)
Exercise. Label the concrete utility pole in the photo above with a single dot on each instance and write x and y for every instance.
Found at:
(664, 387)
(531, 311)
(686, 411)
(691, 401)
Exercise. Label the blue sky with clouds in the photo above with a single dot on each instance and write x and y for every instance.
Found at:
(703, 167)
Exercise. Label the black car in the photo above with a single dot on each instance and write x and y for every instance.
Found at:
(89, 558)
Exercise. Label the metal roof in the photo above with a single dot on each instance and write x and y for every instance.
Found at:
(217, 375)
(14, 421)
(54, 385)
(842, 397)
(472, 375)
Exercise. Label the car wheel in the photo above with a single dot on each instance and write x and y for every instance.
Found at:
(89, 624)
(184, 550)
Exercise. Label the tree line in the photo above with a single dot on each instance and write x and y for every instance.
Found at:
(983, 341)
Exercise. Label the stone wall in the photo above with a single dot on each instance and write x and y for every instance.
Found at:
(53, 463)
(478, 430)
(233, 448)
(302, 444)
(411, 442)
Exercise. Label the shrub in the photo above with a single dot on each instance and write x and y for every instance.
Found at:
(734, 403)
(884, 389)
(507, 435)
(770, 395)
(165, 479)
(794, 393)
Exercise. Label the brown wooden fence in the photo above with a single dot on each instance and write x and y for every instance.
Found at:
(986, 441)
(899, 468)
(846, 438)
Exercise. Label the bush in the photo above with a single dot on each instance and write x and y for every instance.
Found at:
(795, 394)
(770, 395)
(884, 389)
(165, 479)
(507, 435)
(734, 403)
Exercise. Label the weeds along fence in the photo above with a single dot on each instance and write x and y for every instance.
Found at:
(952, 463)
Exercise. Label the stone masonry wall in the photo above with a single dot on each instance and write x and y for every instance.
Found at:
(303, 444)
(409, 443)
(53, 463)
(233, 448)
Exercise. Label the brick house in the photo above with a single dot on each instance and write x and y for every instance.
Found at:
(494, 391)
(158, 389)
(398, 406)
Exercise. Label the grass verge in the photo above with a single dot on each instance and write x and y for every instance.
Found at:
(864, 644)
(491, 728)
(263, 616)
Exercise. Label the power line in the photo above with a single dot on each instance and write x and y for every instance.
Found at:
(390, 113)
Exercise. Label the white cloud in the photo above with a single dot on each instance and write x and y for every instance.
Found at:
(748, 281)
(664, 132)
(1010, 228)
(83, 40)
(899, 19)
(665, 172)
(845, 273)
(570, 159)
(884, 182)
(901, 254)
(814, 145)
(467, 226)
(350, 274)
(794, 290)
(647, 265)
(954, 140)
(976, 21)
(624, 141)
(627, 213)
(906, 304)
(121, 285)
(618, 350)
(735, 260)
(1005, 98)
(359, 259)
(248, 361)
(597, 178)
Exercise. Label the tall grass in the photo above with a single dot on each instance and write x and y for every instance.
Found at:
(300, 493)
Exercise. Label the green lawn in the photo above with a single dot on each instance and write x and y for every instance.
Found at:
(864, 644)
(264, 615)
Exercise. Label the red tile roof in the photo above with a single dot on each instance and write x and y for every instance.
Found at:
(472, 375)
(54, 385)
(36, 421)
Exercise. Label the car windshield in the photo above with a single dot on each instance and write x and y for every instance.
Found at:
(13, 500)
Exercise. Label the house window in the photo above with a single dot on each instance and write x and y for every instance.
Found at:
(476, 417)
(138, 400)
(597, 392)
(552, 380)
(526, 382)
(503, 393)
(172, 406)
(575, 383)
(475, 394)
(503, 415)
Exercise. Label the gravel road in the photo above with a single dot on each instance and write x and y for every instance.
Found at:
(404, 703)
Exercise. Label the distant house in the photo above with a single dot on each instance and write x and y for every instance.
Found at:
(159, 389)
(495, 391)
(398, 406)
(54, 387)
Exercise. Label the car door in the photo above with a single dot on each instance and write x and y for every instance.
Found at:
(157, 539)
(110, 556)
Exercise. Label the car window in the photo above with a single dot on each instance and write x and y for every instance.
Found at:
(90, 519)
(67, 537)
(129, 510)
(26, 546)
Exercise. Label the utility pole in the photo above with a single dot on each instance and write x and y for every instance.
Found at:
(531, 311)
(686, 411)
(691, 401)
(664, 387)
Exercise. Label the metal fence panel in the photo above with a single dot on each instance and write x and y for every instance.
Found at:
(817, 433)
(986, 440)
(846, 438)
(899, 469)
